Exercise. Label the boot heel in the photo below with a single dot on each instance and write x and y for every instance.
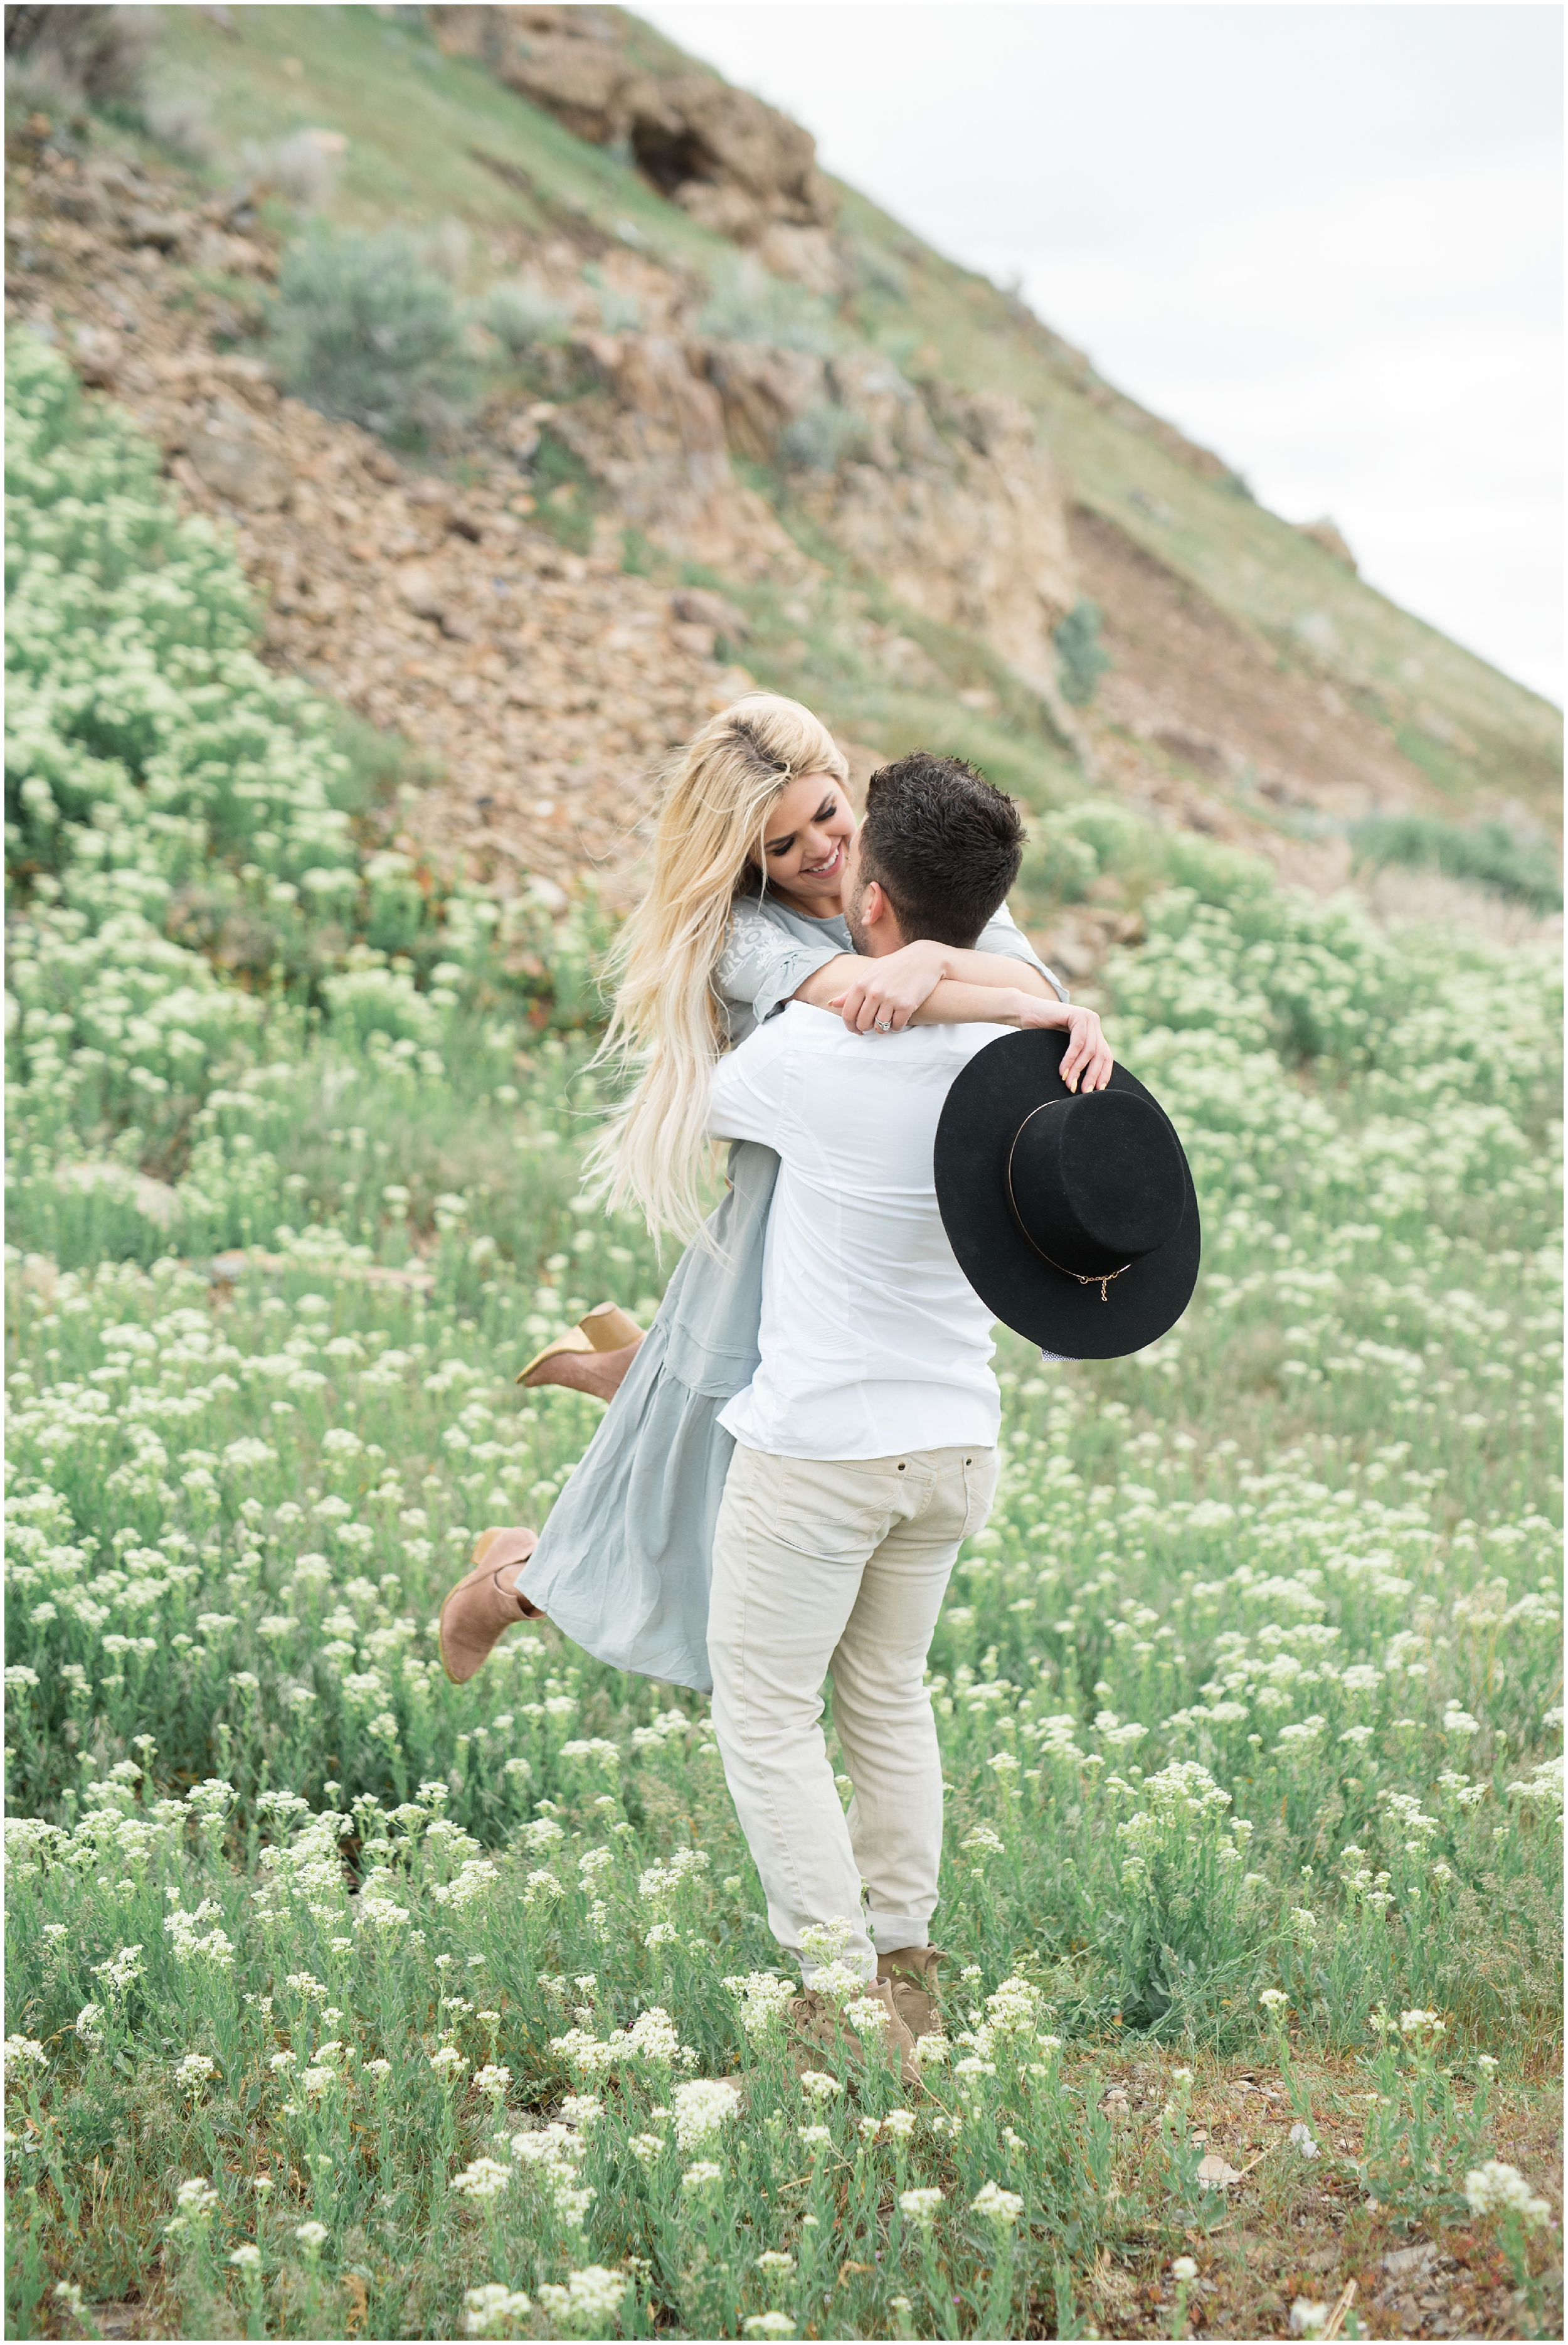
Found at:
(609, 1328)
(575, 1342)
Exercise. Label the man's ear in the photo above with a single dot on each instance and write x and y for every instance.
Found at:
(873, 905)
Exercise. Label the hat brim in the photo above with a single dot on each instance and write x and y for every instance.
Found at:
(984, 1108)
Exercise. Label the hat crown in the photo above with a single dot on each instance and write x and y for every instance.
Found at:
(1096, 1181)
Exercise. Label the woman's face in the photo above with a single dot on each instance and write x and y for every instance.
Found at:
(805, 840)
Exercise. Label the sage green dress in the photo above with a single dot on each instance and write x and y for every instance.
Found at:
(623, 1563)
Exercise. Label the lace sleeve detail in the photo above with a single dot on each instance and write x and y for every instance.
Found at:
(760, 967)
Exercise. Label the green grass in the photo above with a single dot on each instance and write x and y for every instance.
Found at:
(1249, 1694)
(1487, 854)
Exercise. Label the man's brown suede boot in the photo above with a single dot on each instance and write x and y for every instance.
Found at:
(817, 2025)
(910, 1972)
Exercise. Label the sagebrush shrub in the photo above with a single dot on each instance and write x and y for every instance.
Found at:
(179, 119)
(619, 311)
(748, 305)
(301, 167)
(363, 328)
(823, 438)
(1486, 853)
(523, 315)
(100, 54)
(1081, 658)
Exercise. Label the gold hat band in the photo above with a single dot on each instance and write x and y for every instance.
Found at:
(1100, 1279)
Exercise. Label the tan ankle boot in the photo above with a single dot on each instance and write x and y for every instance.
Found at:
(817, 2026)
(910, 1974)
(605, 1328)
(479, 1610)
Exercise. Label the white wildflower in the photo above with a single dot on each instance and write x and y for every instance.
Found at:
(591, 2297)
(702, 2109)
(491, 2311)
(485, 2178)
(1498, 2188)
(922, 2207)
(998, 2206)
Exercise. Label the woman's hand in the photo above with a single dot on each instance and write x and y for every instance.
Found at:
(1087, 1061)
(892, 989)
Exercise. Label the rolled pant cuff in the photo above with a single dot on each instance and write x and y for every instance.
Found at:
(893, 1931)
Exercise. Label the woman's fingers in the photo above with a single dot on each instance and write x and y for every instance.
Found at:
(1087, 1061)
(867, 1012)
(859, 1007)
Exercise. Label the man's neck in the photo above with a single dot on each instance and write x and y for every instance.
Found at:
(875, 940)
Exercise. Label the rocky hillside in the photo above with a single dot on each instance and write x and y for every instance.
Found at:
(725, 412)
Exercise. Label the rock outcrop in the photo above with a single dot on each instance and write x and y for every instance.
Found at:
(652, 433)
(957, 506)
(1330, 537)
(949, 496)
(732, 162)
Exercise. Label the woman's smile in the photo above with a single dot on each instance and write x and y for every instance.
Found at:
(806, 844)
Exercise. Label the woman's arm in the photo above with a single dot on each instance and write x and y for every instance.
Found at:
(896, 987)
(970, 989)
(1088, 1058)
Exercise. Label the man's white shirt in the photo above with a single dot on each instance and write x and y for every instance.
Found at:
(872, 1341)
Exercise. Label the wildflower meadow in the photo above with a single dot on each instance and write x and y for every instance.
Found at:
(342, 2001)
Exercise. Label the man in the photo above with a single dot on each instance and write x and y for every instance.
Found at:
(867, 1440)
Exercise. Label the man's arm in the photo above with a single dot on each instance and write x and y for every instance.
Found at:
(1087, 1061)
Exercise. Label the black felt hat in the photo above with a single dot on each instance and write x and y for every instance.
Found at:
(1073, 1215)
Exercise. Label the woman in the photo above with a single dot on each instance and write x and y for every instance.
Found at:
(744, 912)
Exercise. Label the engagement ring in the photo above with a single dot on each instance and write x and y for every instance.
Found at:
(885, 1025)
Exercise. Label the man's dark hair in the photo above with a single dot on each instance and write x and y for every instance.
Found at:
(943, 843)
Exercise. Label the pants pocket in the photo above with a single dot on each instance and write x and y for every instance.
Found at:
(839, 1511)
(981, 1468)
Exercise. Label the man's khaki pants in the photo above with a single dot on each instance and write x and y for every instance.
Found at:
(838, 1565)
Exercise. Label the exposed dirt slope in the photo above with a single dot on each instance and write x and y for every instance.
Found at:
(1187, 679)
(542, 686)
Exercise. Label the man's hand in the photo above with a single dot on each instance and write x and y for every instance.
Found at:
(1087, 1061)
(892, 989)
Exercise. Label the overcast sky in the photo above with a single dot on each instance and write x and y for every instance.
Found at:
(1324, 240)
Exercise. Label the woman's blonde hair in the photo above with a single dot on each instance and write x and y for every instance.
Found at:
(667, 1024)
